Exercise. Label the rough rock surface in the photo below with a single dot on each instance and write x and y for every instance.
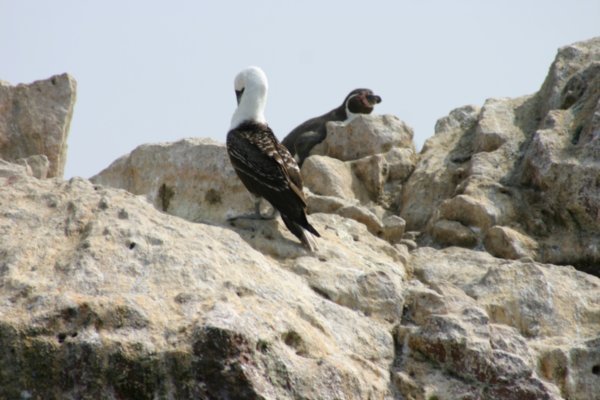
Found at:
(35, 120)
(363, 163)
(191, 178)
(103, 294)
(523, 174)
(505, 328)
(363, 136)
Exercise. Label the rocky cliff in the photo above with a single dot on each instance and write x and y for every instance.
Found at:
(519, 177)
(455, 273)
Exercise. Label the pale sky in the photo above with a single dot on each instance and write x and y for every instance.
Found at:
(151, 71)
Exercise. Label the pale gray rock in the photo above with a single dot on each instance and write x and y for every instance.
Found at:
(364, 135)
(555, 93)
(528, 164)
(470, 211)
(372, 172)
(104, 296)
(328, 176)
(491, 132)
(382, 158)
(38, 165)
(191, 179)
(35, 120)
(502, 241)
(453, 233)
(437, 172)
(324, 204)
(185, 310)
(364, 216)
(400, 163)
(513, 329)
(393, 228)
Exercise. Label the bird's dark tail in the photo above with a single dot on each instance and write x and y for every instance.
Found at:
(311, 229)
(299, 231)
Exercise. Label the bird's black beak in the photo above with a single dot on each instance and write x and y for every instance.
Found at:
(373, 99)
(238, 95)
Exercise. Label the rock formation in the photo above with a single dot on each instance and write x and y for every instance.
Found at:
(518, 177)
(191, 178)
(432, 279)
(34, 122)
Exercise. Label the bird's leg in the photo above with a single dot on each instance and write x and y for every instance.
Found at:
(271, 215)
(257, 214)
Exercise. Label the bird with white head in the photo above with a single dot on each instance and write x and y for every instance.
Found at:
(265, 167)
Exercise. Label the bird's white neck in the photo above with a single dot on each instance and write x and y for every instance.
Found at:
(252, 105)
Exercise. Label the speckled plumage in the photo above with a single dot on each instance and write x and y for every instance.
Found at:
(265, 167)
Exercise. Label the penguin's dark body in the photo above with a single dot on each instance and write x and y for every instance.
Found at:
(305, 136)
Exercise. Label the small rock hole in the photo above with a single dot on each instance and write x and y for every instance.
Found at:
(294, 340)
(596, 370)
(61, 337)
(262, 346)
(132, 245)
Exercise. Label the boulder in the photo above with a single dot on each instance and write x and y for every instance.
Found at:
(453, 233)
(363, 136)
(328, 176)
(190, 178)
(441, 165)
(502, 241)
(35, 121)
(102, 295)
(523, 173)
(507, 329)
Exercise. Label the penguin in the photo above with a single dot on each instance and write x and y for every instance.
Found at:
(305, 136)
(263, 164)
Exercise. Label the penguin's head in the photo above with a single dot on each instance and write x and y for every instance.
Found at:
(361, 101)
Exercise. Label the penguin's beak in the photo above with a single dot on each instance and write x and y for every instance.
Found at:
(373, 99)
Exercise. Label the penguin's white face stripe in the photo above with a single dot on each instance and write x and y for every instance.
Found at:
(350, 115)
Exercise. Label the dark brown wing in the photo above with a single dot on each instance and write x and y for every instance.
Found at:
(268, 170)
(265, 168)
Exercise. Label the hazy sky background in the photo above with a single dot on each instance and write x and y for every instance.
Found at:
(150, 71)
